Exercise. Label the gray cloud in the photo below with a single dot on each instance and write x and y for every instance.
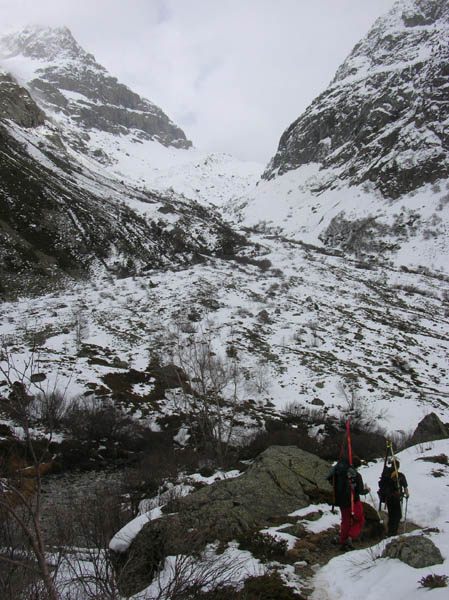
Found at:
(233, 73)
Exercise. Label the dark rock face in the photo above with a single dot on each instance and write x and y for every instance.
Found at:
(429, 429)
(98, 101)
(278, 482)
(416, 551)
(384, 117)
(17, 104)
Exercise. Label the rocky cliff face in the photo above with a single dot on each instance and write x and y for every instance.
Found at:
(17, 104)
(69, 82)
(384, 117)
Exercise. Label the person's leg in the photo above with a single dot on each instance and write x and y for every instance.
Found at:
(394, 515)
(357, 521)
(345, 523)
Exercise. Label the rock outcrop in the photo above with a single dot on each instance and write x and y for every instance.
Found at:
(17, 105)
(276, 484)
(416, 551)
(430, 428)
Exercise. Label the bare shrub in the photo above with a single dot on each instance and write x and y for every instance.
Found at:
(85, 527)
(49, 408)
(362, 414)
(433, 581)
(20, 492)
(258, 379)
(211, 385)
(87, 418)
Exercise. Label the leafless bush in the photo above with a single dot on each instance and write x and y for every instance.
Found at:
(258, 379)
(186, 576)
(307, 414)
(84, 528)
(80, 326)
(211, 385)
(363, 415)
(20, 493)
(87, 418)
(49, 408)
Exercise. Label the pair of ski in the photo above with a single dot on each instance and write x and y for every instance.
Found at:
(389, 455)
(347, 439)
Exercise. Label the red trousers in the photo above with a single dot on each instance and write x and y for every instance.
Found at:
(351, 525)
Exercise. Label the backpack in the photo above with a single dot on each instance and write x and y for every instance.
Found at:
(388, 486)
(344, 476)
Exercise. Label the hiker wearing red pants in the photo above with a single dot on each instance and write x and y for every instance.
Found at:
(348, 486)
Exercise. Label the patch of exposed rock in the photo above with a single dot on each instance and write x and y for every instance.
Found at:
(277, 483)
(17, 105)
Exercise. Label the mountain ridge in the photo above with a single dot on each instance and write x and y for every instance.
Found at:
(68, 80)
(363, 125)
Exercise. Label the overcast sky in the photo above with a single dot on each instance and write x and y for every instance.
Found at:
(232, 73)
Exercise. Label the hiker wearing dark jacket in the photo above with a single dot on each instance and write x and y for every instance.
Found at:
(351, 520)
(394, 492)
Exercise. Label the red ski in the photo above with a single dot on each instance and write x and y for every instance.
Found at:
(348, 435)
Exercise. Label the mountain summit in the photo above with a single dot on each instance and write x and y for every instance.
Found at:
(383, 118)
(44, 43)
(73, 87)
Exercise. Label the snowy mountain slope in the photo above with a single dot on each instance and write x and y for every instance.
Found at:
(410, 231)
(384, 116)
(318, 321)
(62, 217)
(101, 119)
(365, 168)
(313, 329)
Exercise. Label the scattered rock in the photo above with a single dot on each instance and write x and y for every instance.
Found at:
(317, 402)
(38, 377)
(416, 551)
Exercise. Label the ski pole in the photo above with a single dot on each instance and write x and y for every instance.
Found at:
(405, 512)
(374, 506)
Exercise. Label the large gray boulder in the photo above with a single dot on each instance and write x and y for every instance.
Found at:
(416, 551)
(276, 484)
(273, 486)
(430, 428)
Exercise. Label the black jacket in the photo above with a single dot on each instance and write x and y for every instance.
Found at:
(344, 477)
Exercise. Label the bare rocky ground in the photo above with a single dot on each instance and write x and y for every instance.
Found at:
(68, 500)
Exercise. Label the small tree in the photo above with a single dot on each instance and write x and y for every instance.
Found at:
(20, 493)
(86, 418)
(211, 386)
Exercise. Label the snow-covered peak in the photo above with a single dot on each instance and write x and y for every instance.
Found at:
(43, 43)
(412, 32)
(75, 91)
